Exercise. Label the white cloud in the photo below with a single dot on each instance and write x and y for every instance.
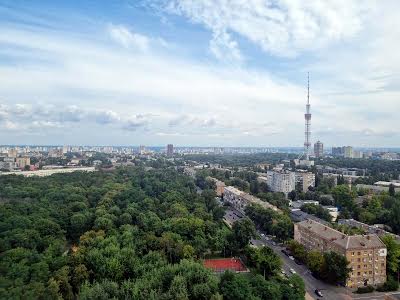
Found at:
(129, 39)
(279, 27)
(97, 91)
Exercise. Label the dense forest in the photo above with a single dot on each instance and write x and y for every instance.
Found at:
(126, 234)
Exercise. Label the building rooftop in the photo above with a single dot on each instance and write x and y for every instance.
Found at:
(251, 199)
(341, 239)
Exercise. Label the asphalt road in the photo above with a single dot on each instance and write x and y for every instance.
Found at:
(330, 292)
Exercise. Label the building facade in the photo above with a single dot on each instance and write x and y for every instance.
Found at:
(365, 253)
(305, 179)
(348, 152)
(21, 162)
(170, 149)
(239, 199)
(281, 181)
(319, 149)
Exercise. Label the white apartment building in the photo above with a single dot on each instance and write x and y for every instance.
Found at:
(281, 181)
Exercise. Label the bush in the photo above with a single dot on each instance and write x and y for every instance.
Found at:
(365, 289)
(390, 285)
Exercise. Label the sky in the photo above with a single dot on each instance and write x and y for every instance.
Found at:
(199, 72)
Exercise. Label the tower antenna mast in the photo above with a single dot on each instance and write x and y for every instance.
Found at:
(307, 118)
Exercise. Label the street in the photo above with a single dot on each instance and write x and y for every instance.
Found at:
(329, 291)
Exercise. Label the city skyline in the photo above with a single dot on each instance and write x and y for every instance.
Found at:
(160, 72)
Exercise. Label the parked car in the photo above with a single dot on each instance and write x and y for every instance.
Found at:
(298, 262)
(291, 257)
(318, 293)
(292, 271)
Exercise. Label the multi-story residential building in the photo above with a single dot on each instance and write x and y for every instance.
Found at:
(21, 162)
(239, 199)
(365, 253)
(348, 152)
(281, 181)
(12, 152)
(219, 186)
(319, 149)
(358, 154)
(337, 151)
(305, 179)
(170, 149)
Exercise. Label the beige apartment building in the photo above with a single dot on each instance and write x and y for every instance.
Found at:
(22, 161)
(239, 199)
(366, 253)
(219, 186)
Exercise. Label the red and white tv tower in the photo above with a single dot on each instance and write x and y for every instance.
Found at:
(307, 117)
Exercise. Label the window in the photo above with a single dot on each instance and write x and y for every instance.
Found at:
(352, 253)
(358, 273)
(358, 253)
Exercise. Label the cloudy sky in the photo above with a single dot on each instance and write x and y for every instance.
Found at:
(199, 72)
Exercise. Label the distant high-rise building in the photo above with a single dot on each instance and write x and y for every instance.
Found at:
(142, 149)
(337, 151)
(318, 149)
(348, 152)
(170, 149)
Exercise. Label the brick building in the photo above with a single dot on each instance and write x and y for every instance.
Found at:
(366, 253)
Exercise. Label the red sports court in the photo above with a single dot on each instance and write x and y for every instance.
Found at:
(221, 265)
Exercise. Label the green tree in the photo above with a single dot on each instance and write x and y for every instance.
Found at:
(234, 286)
(335, 269)
(242, 231)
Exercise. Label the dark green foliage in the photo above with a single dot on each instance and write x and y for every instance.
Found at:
(105, 235)
(271, 222)
(390, 285)
(318, 211)
(365, 289)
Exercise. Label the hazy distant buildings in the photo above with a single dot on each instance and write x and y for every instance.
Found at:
(337, 151)
(21, 162)
(142, 149)
(318, 149)
(170, 149)
(12, 152)
(348, 152)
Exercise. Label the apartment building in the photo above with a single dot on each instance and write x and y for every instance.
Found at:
(281, 181)
(219, 186)
(319, 149)
(21, 162)
(366, 253)
(305, 179)
(239, 199)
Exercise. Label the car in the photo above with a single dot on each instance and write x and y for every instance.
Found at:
(262, 234)
(291, 257)
(292, 271)
(318, 293)
(273, 243)
(298, 262)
